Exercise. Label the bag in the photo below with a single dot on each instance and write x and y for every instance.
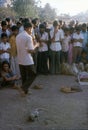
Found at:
(66, 69)
(75, 69)
(83, 78)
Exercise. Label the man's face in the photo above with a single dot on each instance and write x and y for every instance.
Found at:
(56, 27)
(15, 32)
(5, 67)
(4, 39)
(30, 30)
(4, 27)
(83, 28)
(42, 30)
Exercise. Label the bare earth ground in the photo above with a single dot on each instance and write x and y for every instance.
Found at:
(57, 110)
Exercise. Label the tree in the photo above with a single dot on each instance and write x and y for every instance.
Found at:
(25, 8)
(47, 13)
(7, 12)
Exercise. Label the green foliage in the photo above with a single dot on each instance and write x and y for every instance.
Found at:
(7, 12)
(29, 8)
(47, 13)
(25, 8)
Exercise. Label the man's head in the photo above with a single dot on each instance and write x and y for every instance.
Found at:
(28, 27)
(4, 37)
(14, 29)
(55, 24)
(84, 27)
(4, 25)
(42, 28)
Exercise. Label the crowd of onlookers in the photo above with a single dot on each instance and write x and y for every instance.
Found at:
(53, 45)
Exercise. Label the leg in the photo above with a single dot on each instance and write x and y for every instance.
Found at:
(39, 58)
(57, 62)
(75, 51)
(44, 62)
(31, 76)
(23, 72)
(52, 62)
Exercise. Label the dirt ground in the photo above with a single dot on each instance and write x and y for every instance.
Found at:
(56, 110)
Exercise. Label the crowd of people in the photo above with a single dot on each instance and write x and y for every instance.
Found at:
(30, 47)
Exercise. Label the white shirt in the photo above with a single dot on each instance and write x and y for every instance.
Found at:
(65, 43)
(7, 32)
(44, 46)
(5, 46)
(24, 42)
(77, 36)
(56, 46)
(21, 29)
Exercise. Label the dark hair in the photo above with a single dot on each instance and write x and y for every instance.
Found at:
(14, 28)
(3, 23)
(84, 25)
(5, 62)
(3, 35)
(27, 25)
(8, 19)
(66, 29)
(41, 26)
(78, 28)
(18, 23)
(34, 21)
(26, 20)
(55, 23)
(20, 19)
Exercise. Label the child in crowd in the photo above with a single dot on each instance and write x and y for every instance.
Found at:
(70, 52)
(56, 36)
(65, 45)
(42, 58)
(77, 44)
(8, 76)
(83, 63)
(4, 29)
(12, 41)
(4, 48)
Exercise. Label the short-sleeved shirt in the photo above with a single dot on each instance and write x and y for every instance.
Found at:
(56, 46)
(77, 36)
(7, 75)
(24, 41)
(44, 46)
(7, 32)
(5, 46)
(12, 41)
(65, 43)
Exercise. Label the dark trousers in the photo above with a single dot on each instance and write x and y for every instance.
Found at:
(64, 57)
(42, 62)
(54, 62)
(28, 75)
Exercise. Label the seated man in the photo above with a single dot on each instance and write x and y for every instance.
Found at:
(83, 62)
(9, 78)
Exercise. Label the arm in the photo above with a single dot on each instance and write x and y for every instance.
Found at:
(31, 47)
(8, 50)
(10, 78)
(78, 40)
(46, 38)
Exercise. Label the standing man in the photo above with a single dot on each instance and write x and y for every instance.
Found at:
(56, 36)
(77, 44)
(25, 48)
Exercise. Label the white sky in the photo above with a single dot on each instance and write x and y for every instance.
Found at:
(71, 7)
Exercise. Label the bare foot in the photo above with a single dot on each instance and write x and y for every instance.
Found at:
(22, 93)
(37, 87)
(15, 87)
